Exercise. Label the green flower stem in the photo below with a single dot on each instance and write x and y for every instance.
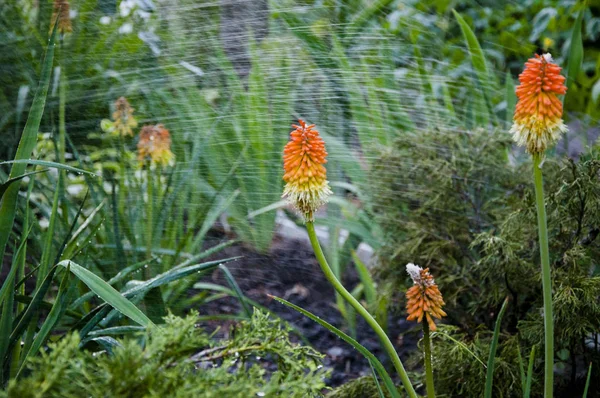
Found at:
(546, 277)
(428, 367)
(387, 344)
(149, 217)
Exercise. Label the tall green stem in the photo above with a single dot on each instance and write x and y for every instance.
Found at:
(149, 217)
(387, 344)
(428, 367)
(546, 277)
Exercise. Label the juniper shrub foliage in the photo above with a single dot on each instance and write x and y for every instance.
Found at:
(459, 203)
(179, 360)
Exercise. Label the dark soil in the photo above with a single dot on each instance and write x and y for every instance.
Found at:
(291, 271)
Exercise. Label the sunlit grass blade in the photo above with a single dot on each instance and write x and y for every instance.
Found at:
(475, 51)
(575, 52)
(489, 378)
(366, 353)
(107, 293)
(587, 382)
(26, 144)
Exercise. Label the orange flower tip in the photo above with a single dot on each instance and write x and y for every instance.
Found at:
(537, 122)
(306, 186)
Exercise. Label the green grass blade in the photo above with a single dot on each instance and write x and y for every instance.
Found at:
(107, 293)
(575, 52)
(379, 390)
(511, 98)
(10, 181)
(173, 275)
(32, 308)
(587, 382)
(527, 390)
(236, 288)
(366, 280)
(521, 369)
(26, 144)
(50, 165)
(366, 353)
(57, 311)
(475, 51)
(461, 345)
(367, 13)
(489, 378)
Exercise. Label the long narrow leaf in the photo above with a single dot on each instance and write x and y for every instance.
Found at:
(51, 165)
(489, 378)
(236, 288)
(10, 181)
(107, 293)
(575, 52)
(366, 353)
(57, 311)
(26, 144)
(527, 391)
(587, 382)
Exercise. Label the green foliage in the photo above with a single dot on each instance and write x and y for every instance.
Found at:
(364, 387)
(457, 374)
(456, 204)
(180, 360)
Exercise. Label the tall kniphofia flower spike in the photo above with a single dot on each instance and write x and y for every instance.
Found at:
(60, 9)
(123, 118)
(538, 120)
(424, 297)
(304, 155)
(155, 143)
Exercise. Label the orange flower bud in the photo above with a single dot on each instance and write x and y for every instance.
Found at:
(123, 118)
(538, 116)
(304, 155)
(424, 297)
(61, 10)
(155, 142)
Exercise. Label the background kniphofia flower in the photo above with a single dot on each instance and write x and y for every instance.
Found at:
(424, 297)
(155, 143)
(304, 155)
(61, 9)
(123, 118)
(538, 116)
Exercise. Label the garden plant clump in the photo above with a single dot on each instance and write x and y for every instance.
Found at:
(430, 228)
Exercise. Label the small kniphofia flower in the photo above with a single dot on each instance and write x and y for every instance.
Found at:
(155, 143)
(538, 120)
(61, 11)
(124, 122)
(304, 155)
(424, 297)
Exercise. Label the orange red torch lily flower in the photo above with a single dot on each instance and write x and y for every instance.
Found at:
(538, 120)
(304, 155)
